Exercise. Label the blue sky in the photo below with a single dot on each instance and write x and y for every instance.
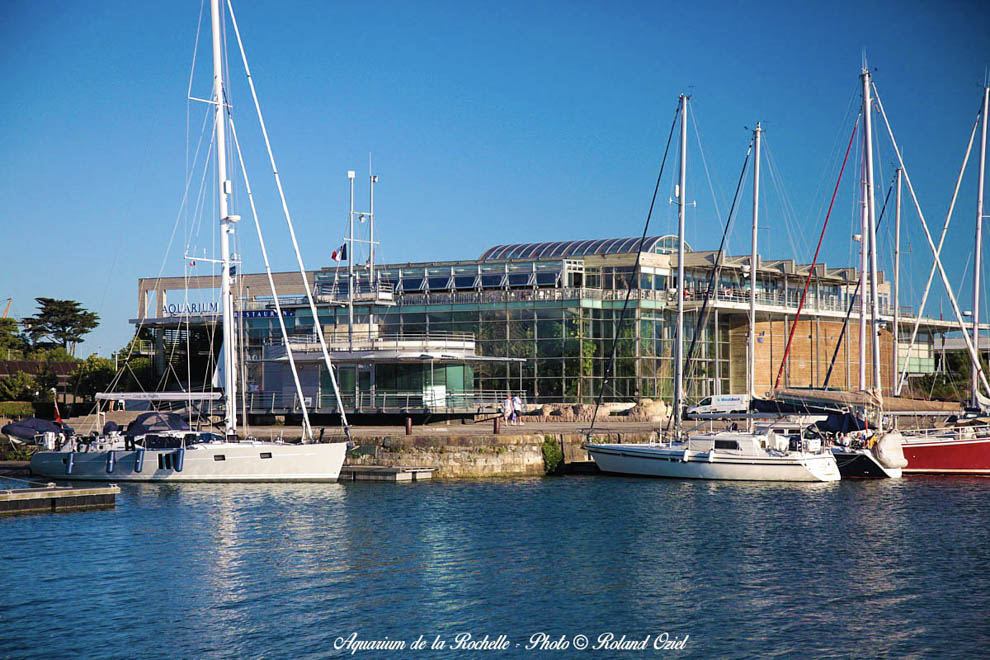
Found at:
(489, 122)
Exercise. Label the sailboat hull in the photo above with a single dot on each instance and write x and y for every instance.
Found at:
(862, 464)
(952, 453)
(662, 461)
(213, 462)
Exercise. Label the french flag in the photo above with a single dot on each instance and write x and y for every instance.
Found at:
(340, 253)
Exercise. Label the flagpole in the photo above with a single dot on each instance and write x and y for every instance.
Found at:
(350, 269)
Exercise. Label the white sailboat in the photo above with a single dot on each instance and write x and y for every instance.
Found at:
(165, 449)
(728, 455)
(877, 453)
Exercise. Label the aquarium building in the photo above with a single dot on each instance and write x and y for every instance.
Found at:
(536, 318)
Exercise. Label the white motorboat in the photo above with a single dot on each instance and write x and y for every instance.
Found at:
(162, 447)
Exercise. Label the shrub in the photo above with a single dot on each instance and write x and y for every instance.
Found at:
(12, 452)
(18, 386)
(92, 376)
(553, 457)
(16, 409)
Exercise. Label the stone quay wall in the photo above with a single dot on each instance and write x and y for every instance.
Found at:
(474, 456)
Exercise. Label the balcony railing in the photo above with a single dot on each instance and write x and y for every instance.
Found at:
(363, 341)
(790, 300)
(373, 402)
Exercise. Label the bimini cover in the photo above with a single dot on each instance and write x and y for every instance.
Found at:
(26, 429)
(156, 422)
(841, 424)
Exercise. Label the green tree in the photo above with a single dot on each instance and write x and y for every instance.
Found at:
(137, 376)
(51, 354)
(952, 384)
(59, 323)
(18, 387)
(12, 343)
(47, 380)
(92, 376)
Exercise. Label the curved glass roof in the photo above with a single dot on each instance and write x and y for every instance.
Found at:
(657, 244)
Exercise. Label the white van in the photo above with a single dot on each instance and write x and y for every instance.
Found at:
(721, 404)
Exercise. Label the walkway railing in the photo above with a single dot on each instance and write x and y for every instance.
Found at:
(814, 302)
(339, 341)
(372, 402)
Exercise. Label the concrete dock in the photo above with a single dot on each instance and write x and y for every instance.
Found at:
(54, 499)
(385, 473)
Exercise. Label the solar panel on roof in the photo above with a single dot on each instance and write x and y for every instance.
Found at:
(580, 247)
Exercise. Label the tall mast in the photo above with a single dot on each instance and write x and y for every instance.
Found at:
(679, 345)
(863, 230)
(751, 381)
(896, 357)
(979, 244)
(226, 228)
(872, 229)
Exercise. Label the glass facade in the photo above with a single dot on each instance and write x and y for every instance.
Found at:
(544, 319)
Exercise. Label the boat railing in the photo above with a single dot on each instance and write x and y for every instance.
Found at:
(960, 432)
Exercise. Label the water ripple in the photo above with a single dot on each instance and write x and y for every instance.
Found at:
(873, 569)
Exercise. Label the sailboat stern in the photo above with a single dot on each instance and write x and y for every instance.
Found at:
(822, 467)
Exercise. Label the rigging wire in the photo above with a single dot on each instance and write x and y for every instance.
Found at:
(288, 220)
(639, 251)
(936, 251)
(817, 199)
(811, 269)
(853, 298)
(307, 427)
(786, 207)
(158, 279)
(714, 276)
(704, 162)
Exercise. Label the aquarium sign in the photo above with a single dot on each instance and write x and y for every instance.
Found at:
(185, 309)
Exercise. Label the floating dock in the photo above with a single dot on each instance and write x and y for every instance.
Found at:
(53, 499)
(384, 473)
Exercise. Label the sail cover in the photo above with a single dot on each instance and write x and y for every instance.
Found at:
(156, 422)
(844, 423)
(26, 429)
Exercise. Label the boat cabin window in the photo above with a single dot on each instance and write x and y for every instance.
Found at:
(266, 454)
(726, 444)
(162, 442)
(219, 457)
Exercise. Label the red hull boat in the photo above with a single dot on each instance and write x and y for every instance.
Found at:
(960, 451)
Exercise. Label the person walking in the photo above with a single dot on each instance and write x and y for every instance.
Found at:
(507, 411)
(517, 410)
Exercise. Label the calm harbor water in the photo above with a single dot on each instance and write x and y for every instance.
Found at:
(896, 568)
